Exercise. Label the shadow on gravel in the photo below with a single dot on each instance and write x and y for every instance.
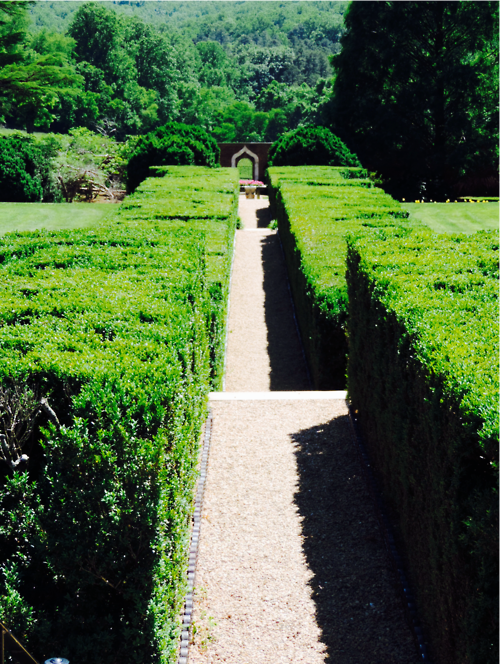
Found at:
(288, 368)
(263, 217)
(353, 585)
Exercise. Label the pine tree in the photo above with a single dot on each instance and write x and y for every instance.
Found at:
(416, 92)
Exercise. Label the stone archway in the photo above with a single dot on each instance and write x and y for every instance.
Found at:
(245, 152)
(231, 153)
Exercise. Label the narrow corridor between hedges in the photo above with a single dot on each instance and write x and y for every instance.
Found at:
(292, 565)
(263, 347)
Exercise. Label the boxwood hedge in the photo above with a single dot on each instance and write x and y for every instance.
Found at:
(423, 375)
(110, 339)
(314, 146)
(315, 207)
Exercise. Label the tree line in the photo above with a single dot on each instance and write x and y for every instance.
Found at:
(248, 77)
(411, 87)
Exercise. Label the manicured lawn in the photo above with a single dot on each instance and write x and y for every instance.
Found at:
(455, 217)
(52, 216)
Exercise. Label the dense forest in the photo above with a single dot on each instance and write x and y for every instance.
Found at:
(243, 71)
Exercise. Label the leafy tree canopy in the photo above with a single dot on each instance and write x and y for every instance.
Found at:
(311, 146)
(416, 92)
(174, 144)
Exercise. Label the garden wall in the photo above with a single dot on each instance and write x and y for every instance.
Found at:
(110, 340)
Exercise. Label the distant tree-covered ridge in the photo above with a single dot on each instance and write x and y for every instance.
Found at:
(241, 70)
(294, 24)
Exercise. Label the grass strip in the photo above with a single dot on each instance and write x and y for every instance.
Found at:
(455, 217)
(19, 217)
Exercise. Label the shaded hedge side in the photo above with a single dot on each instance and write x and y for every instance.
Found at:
(423, 376)
(315, 207)
(110, 339)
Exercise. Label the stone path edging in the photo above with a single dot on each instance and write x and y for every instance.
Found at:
(193, 549)
(276, 396)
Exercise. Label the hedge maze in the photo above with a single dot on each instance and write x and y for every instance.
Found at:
(112, 336)
(110, 339)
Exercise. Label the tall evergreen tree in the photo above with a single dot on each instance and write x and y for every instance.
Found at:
(416, 92)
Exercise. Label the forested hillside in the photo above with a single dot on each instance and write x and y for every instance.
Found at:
(244, 71)
(225, 22)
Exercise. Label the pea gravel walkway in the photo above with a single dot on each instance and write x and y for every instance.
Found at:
(292, 565)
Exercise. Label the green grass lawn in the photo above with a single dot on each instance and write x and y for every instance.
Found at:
(455, 217)
(52, 216)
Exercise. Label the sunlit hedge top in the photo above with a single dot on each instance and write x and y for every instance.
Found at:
(445, 290)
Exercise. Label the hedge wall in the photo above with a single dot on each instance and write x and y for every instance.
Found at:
(110, 340)
(315, 207)
(423, 375)
(204, 200)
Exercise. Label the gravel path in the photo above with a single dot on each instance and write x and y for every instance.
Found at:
(254, 212)
(292, 566)
(263, 350)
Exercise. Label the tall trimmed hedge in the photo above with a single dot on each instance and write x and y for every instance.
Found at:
(203, 200)
(110, 340)
(315, 207)
(311, 146)
(174, 144)
(423, 376)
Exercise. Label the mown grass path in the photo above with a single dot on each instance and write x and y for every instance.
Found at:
(456, 217)
(51, 216)
(292, 566)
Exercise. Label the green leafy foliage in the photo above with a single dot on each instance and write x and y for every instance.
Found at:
(315, 207)
(112, 336)
(85, 164)
(174, 144)
(24, 169)
(311, 146)
(416, 95)
(146, 64)
(422, 375)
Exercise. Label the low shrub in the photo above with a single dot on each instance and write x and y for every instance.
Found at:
(422, 375)
(106, 351)
(174, 144)
(315, 208)
(311, 146)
